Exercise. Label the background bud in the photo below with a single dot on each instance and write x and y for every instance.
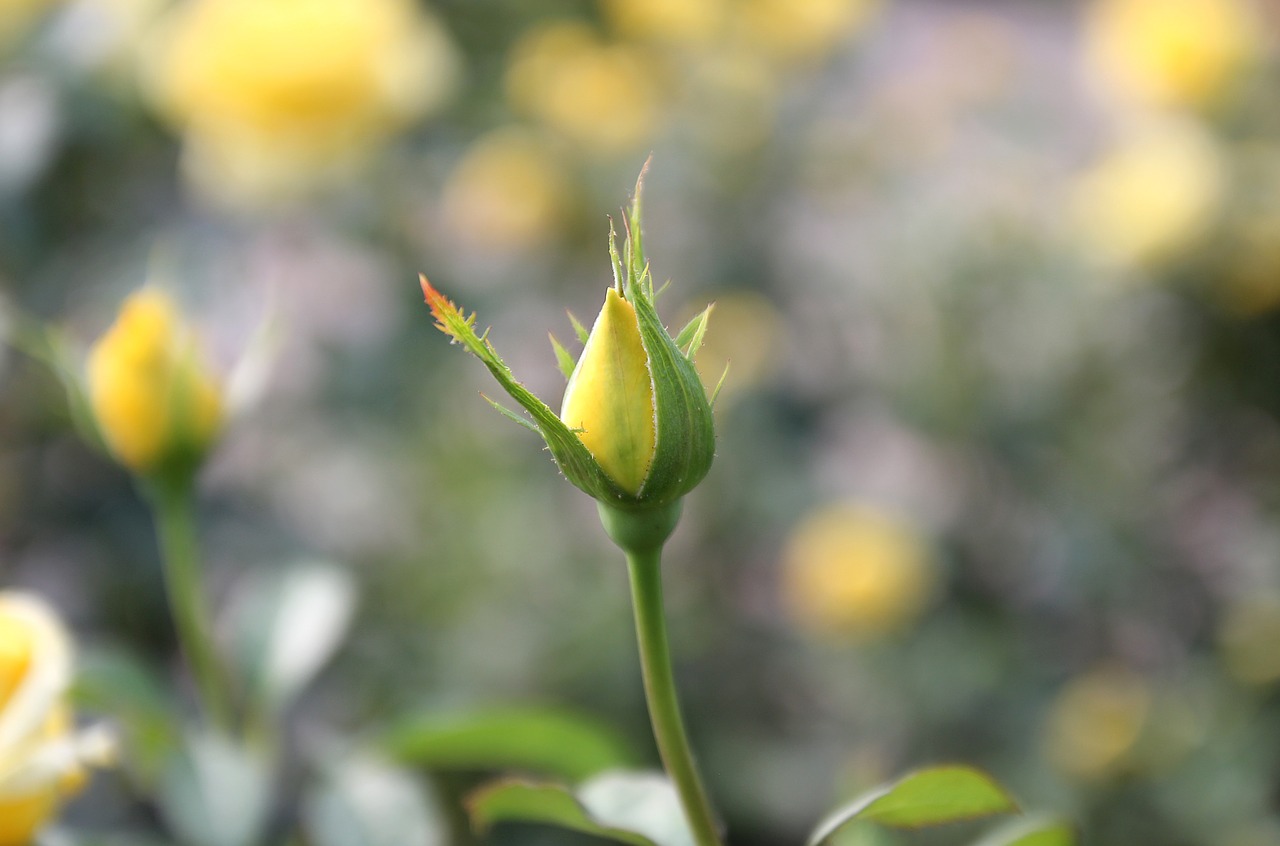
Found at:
(154, 404)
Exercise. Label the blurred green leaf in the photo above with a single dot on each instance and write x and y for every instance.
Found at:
(541, 740)
(215, 793)
(116, 683)
(1035, 831)
(286, 624)
(636, 808)
(367, 802)
(927, 797)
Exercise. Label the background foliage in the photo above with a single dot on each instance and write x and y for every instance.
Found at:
(997, 470)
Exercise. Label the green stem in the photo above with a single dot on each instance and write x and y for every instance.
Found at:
(660, 689)
(175, 526)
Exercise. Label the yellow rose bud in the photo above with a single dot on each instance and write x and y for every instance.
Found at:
(42, 759)
(635, 429)
(156, 408)
(609, 399)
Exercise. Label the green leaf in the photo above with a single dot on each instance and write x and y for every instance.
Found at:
(363, 801)
(641, 809)
(927, 797)
(532, 802)
(539, 740)
(48, 345)
(115, 682)
(215, 793)
(286, 624)
(1034, 831)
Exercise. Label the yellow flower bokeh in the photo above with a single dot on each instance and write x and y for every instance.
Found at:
(1096, 721)
(794, 30)
(1170, 52)
(510, 191)
(275, 97)
(1152, 196)
(854, 570)
(691, 22)
(1249, 637)
(600, 95)
(152, 400)
(42, 759)
(18, 16)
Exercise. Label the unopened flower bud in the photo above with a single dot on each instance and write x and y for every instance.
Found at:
(609, 400)
(635, 428)
(157, 408)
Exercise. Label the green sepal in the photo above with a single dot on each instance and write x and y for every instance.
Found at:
(573, 459)
(563, 359)
(686, 439)
(690, 338)
(578, 328)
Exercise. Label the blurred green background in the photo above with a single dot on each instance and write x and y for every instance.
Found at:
(998, 475)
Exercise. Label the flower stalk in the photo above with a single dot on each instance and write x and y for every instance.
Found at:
(180, 552)
(645, 570)
(636, 433)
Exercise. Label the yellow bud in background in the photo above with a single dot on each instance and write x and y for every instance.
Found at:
(610, 396)
(1096, 721)
(153, 403)
(854, 570)
(42, 758)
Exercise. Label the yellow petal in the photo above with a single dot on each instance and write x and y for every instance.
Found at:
(22, 816)
(610, 396)
(149, 394)
(15, 654)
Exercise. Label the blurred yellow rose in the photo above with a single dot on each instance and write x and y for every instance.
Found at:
(1150, 197)
(276, 96)
(510, 191)
(1095, 722)
(42, 759)
(682, 21)
(802, 29)
(154, 404)
(17, 16)
(1170, 52)
(854, 570)
(602, 96)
